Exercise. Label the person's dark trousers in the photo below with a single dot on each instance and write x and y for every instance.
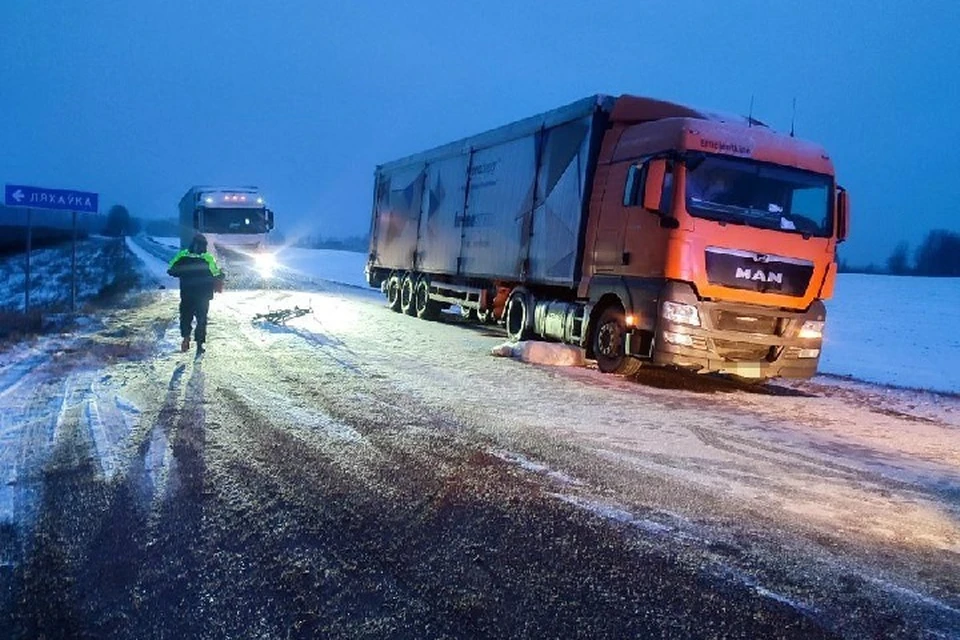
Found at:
(194, 307)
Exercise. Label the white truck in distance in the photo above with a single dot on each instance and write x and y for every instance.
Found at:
(235, 221)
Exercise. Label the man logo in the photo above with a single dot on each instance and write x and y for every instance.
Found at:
(759, 275)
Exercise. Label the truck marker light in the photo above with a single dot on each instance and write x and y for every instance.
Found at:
(209, 200)
(808, 353)
(630, 320)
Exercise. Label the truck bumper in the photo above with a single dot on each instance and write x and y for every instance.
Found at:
(749, 341)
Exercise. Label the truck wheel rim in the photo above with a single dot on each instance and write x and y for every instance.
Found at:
(609, 340)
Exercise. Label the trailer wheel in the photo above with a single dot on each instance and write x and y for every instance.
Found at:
(425, 308)
(518, 315)
(407, 295)
(609, 342)
(393, 293)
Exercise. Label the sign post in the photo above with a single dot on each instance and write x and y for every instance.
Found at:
(18, 195)
(26, 280)
(73, 266)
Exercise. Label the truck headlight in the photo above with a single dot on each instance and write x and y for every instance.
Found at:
(265, 264)
(681, 313)
(811, 329)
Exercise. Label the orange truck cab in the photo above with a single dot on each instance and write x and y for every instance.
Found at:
(641, 230)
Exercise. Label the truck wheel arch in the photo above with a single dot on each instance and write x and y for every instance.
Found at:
(607, 300)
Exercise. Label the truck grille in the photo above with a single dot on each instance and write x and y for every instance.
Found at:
(745, 323)
(741, 351)
(758, 272)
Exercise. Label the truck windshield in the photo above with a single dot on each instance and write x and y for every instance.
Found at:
(234, 221)
(759, 195)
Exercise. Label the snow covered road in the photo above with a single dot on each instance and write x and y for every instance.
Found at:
(343, 474)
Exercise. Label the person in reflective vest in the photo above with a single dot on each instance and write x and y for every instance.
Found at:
(199, 276)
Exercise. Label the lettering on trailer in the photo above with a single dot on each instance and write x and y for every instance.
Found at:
(57, 199)
(474, 220)
(759, 275)
(725, 147)
(486, 167)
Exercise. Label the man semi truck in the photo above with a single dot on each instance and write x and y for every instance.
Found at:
(639, 229)
(235, 221)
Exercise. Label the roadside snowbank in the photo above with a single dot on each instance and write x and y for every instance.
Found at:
(151, 266)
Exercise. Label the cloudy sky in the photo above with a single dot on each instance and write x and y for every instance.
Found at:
(141, 100)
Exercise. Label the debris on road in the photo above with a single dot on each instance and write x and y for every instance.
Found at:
(281, 316)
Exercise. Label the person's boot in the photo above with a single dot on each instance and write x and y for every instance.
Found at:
(185, 345)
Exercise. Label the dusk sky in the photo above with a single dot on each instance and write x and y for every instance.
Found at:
(138, 101)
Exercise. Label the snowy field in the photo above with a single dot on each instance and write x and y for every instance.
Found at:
(895, 330)
(883, 329)
(99, 264)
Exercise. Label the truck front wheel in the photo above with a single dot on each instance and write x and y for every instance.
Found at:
(609, 343)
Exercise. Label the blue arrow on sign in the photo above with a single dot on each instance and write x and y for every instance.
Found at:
(18, 195)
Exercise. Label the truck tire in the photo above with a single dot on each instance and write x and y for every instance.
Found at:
(609, 341)
(518, 315)
(393, 292)
(407, 294)
(424, 307)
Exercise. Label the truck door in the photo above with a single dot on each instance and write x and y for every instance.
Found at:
(608, 242)
(644, 239)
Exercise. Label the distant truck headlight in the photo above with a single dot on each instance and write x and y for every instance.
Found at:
(811, 329)
(265, 264)
(681, 313)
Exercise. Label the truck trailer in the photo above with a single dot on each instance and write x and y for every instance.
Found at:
(641, 230)
(235, 221)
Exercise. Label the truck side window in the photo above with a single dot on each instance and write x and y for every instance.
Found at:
(636, 177)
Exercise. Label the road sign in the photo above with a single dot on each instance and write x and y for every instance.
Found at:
(18, 195)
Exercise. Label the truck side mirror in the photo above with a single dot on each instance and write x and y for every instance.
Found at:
(269, 219)
(196, 219)
(843, 214)
(653, 184)
(657, 192)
